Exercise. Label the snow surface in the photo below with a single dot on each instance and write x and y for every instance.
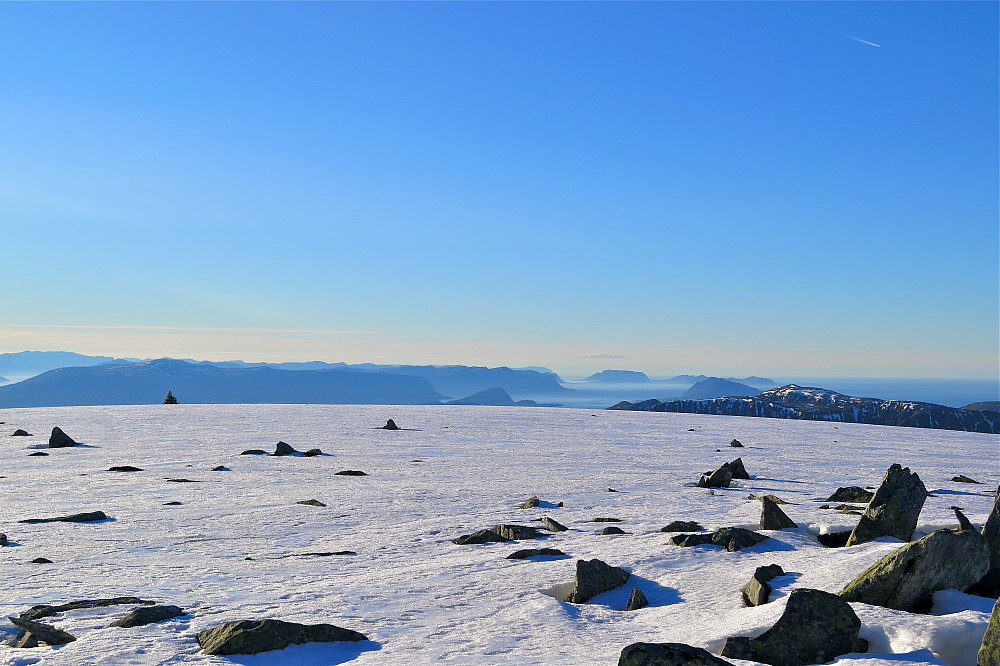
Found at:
(418, 597)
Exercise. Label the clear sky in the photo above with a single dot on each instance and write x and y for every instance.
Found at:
(722, 188)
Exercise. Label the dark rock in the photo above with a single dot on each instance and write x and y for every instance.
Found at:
(963, 522)
(312, 452)
(989, 584)
(989, 652)
(612, 490)
(737, 468)
(668, 654)
(894, 509)
(730, 538)
(773, 518)
(517, 532)
(170, 399)
(605, 520)
(594, 577)
(530, 503)
(482, 536)
(254, 452)
(253, 636)
(736, 444)
(87, 517)
(124, 468)
(181, 480)
(45, 633)
(41, 560)
(38, 453)
(552, 525)
(21, 433)
(390, 425)
(44, 610)
(834, 539)
(350, 472)
(851, 494)
(139, 617)
(3, 539)
(815, 628)
(534, 552)
(720, 478)
(283, 449)
(60, 440)
(773, 498)
(636, 600)
(682, 526)
(961, 478)
(611, 530)
(559, 505)
(325, 554)
(906, 578)
(757, 590)
(171, 504)
(26, 640)
(221, 468)
(311, 502)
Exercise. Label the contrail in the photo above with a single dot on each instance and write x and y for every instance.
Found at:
(858, 39)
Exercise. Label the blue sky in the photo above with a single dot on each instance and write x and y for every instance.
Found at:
(723, 188)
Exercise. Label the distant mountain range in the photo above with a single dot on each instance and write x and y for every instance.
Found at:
(817, 404)
(760, 383)
(618, 377)
(716, 387)
(496, 397)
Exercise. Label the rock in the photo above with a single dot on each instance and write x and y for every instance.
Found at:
(87, 517)
(905, 578)
(3, 539)
(816, 627)
(834, 539)
(139, 617)
(170, 399)
(221, 468)
(961, 478)
(530, 503)
(636, 600)
(757, 590)
(390, 425)
(963, 522)
(323, 554)
(124, 468)
(44, 610)
(989, 584)
(45, 633)
(851, 494)
(26, 640)
(534, 552)
(38, 453)
(516, 532)
(773, 498)
(254, 452)
(989, 653)
(736, 444)
(283, 449)
(559, 505)
(350, 472)
(720, 478)
(41, 560)
(730, 538)
(552, 525)
(180, 480)
(171, 504)
(311, 502)
(312, 452)
(773, 518)
(612, 490)
(605, 520)
(682, 526)
(253, 636)
(60, 440)
(594, 577)
(482, 536)
(611, 530)
(668, 654)
(21, 433)
(894, 509)
(738, 470)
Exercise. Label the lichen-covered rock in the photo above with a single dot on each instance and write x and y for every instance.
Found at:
(140, 617)
(773, 518)
(989, 653)
(816, 627)
(989, 584)
(757, 590)
(668, 654)
(851, 494)
(553, 525)
(60, 440)
(253, 636)
(611, 530)
(311, 502)
(283, 449)
(730, 538)
(961, 478)
(737, 468)
(43, 632)
(636, 600)
(517, 532)
(894, 509)
(720, 478)
(530, 503)
(47, 610)
(535, 552)
(482, 536)
(773, 498)
(594, 577)
(906, 578)
(682, 526)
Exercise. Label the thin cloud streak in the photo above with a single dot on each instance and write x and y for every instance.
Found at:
(858, 39)
(187, 329)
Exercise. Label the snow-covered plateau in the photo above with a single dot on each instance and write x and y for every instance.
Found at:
(234, 547)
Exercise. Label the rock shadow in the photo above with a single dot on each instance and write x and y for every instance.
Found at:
(617, 599)
(307, 654)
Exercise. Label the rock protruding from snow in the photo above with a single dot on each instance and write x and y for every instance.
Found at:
(283, 449)
(311, 502)
(989, 585)
(757, 590)
(730, 538)
(253, 636)
(170, 399)
(636, 600)
(553, 525)
(736, 444)
(254, 452)
(989, 652)
(45, 633)
(517, 532)
(668, 654)
(390, 425)
(535, 552)
(773, 518)
(595, 577)
(21, 433)
(906, 578)
(86, 517)
(961, 478)
(3, 539)
(894, 509)
(611, 530)
(530, 503)
(46, 610)
(482, 536)
(816, 627)
(721, 477)
(682, 526)
(60, 440)
(140, 617)
(851, 494)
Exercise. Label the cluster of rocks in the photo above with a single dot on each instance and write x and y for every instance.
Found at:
(283, 449)
(724, 475)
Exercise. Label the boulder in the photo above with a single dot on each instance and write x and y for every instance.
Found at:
(851, 494)
(906, 578)
(221, 468)
(87, 517)
(311, 502)
(552, 525)
(21, 433)
(773, 498)
(816, 627)
(605, 520)
(737, 444)
(170, 399)
(38, 453)
(3, 539)
(124, 468)
(730, 538)
(350, 472)
(254, 452)
(253, 636)
(46, 610)
(773, 518)
(534, 552)
(834, 539)
(961, 478)
(611, 530)
(668, 654)
(390, 425)
(26, 640)
(45, 633)
(516, 532)
(139, 617)
(313, 452)
(989, 584)
(636, 600)
(283, 449)
(41, 560)
(59, 440)
(682, 526)
(738, 470)
(989, 652)
(720, 478)
(594, 577)
(757, 590)
(482, 536)
(530, 503)
(894, 509)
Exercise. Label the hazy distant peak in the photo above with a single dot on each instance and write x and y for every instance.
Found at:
(716, 387)
(618, 377)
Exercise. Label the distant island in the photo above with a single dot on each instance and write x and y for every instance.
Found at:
(716, 387)
(618, 377)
